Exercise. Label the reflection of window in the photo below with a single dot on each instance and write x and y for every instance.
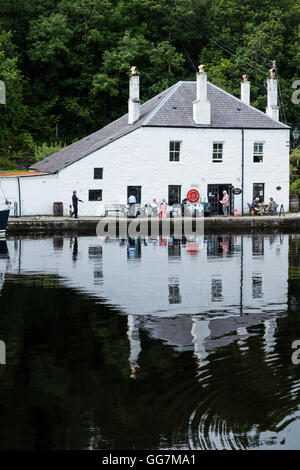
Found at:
(259, 191)
(98, 275)
(174, 291)
(95, 251)
(257, 245)
(174, 153)
(258, 152)
(174, 249)
(256, 286)
(174, 294)
(216, 290)
(95, 195)
(217, 152)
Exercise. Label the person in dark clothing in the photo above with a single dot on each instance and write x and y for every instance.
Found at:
(183, 206)
(75, 200)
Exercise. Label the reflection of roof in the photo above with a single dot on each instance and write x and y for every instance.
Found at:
(174, 331)
(171, 108)
(22, 173)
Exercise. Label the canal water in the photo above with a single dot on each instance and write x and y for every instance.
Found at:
(150, 344)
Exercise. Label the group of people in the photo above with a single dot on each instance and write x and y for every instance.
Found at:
(157, 209)
(255, 208)
(161, 209)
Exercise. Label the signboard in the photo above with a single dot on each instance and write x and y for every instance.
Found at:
(193, 195)
(237, 191)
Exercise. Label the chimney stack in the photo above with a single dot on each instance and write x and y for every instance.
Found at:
(134, 96)
(201, 107)
(272, 108)
(245, 90)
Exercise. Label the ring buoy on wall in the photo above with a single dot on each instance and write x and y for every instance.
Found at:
(193, 195)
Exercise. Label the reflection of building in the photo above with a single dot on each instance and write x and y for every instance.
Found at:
(191, 302)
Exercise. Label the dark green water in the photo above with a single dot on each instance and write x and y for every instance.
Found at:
(151, 344)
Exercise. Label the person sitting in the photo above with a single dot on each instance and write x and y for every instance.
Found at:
(272, 207)
(255, 210)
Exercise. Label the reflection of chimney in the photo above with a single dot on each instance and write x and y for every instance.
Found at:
(201, 107)
(245, 90)
(134, 96)
(272, 108)
(135, 344)
(200, 331)
(269, 336)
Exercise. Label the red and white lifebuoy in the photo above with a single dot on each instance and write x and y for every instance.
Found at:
(193, 195)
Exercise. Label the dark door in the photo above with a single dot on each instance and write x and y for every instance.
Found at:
(213, 198)
(259, 191)
(135, 191)
(174, 195)
(215, 194)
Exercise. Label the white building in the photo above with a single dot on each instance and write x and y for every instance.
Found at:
(192, 135)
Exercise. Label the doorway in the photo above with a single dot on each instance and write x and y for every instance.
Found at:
(214, 196)
(174, 195)
(135, 191)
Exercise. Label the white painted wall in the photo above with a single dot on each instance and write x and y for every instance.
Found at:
(273, 171)
(142, 159)
(37, 193)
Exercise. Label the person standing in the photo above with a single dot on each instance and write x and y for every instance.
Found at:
(75, 200)
(225, 203)
(131, 200)
(154, 207)
(163, 209)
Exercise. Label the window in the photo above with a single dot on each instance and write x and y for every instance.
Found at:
(217, 152)
(259, 191)
(98, 173)
(258, 152)
(174, 155)
(95, 195)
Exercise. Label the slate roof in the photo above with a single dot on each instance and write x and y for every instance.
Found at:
(171, 108)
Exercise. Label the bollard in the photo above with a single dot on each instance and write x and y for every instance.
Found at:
(235, 213)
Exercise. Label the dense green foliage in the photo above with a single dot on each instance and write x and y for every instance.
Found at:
(66, 62)
(295, 172)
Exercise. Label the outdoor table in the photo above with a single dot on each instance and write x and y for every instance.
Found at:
(263, 208)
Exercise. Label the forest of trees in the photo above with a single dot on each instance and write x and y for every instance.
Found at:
(65, 63)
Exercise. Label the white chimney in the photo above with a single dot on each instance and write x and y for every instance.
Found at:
(272, 108)
(134, 97)
(201, 107)
(245, 90)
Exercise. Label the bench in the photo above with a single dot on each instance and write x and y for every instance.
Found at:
(114, 210)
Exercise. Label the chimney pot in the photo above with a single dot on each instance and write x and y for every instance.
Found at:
(245, 90)
(272, 109)
(201, 107)
(134, 96)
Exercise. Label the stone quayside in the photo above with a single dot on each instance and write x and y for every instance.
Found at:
(48, 225)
